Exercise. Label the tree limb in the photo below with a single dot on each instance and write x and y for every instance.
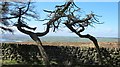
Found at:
(93, 39)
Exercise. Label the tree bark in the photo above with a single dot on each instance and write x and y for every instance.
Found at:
(43, 53)
(93, 39)
(39, 43)
(35, 37)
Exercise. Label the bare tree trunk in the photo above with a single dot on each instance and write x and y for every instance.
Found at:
(93, 39)
(43, 53)
(35, 36)
(37, 40)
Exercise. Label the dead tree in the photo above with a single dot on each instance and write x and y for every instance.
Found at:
(21, 25)
(34, 36)
(69, 15)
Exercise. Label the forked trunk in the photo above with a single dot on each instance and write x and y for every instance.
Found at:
(38, 42)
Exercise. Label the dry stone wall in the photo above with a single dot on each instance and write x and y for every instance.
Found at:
(60, 55)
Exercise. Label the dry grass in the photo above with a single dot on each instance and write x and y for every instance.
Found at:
(76, 44)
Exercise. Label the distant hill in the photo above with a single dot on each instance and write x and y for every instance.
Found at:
(15, 37)
(24, 38)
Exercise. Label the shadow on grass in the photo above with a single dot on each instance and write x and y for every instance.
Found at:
(27, 65)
